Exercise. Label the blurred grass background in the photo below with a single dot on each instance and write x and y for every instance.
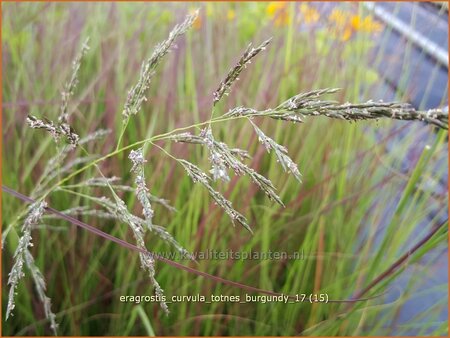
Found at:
(357, 211)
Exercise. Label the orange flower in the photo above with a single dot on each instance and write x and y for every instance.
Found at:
(231, 14)
(274, 7)
(355, 22)
(309, 13)
(371, 26)
(278, 11)
(367, 24)
(346, 25)
(346, 34)
(338, 17)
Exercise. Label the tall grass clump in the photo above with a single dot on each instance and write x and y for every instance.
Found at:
(104, 196)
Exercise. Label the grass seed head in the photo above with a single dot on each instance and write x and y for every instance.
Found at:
(136, 95)
(233, 74)
(35, 213)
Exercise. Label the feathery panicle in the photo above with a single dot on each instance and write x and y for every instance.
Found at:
(136, 96)
(55, 130)
(62, 128)
(219, 169)
(69, 133)
(241, 153)
(272, 113)
(305, 105)
(71, 84)
(147, 261)
(197, 139)
(264, 184)
(195, 173)
(306, 99)
(280, 151)
(162, 233)
(35, 212)
(233, 74)
(437, 116)
(228, 159)
(310, 104)
(198, 176)
(112, 211)
(36, 123)
(243, 111)
(222, 158)
(118, 210)
(40, 286)
(137, 157)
